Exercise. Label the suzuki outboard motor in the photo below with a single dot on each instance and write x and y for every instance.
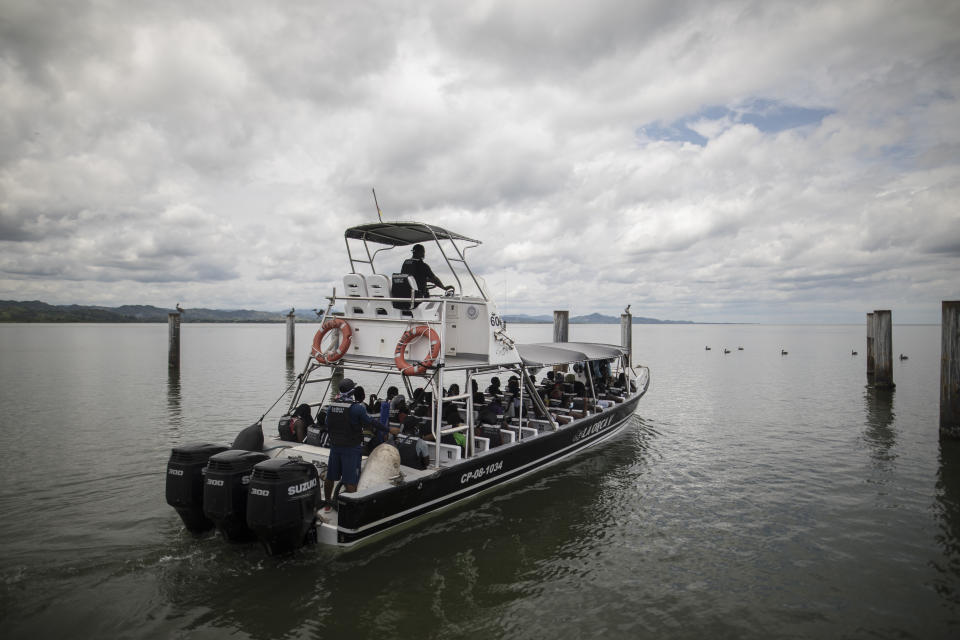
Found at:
(225, 492)
(185, 471)
(282, 503)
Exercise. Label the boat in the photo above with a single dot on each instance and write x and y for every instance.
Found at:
(267, 485)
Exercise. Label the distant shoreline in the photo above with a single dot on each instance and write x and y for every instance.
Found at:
(35, 311)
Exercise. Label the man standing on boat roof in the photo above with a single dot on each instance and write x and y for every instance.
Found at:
(346, 418)
(421, 271)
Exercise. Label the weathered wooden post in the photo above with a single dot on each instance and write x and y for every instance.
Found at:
(173, 339)
(626, 333)
(561, 320)
(291, 332)
(883, 349)
(950, 369)
(870, 353)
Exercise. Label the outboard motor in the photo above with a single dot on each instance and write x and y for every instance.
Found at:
(282, 503)
(185, 471)
(225, 492)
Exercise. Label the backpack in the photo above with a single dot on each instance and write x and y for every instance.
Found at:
(287, 429)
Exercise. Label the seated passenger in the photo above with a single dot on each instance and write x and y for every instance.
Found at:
(478, 397)
(414, 451)
(511, 407)
(622, 380)
(399, 409)
(494, 388)
(487, 416)
(451, 418)
(454, 390)
(302, 420)
(556, 393)
(374, 433)
(513, 385)
(385, 406)
(495, 405)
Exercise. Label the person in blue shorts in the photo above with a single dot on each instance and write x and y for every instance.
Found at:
(346, 418)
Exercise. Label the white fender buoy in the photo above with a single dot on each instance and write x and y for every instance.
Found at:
(382, 464)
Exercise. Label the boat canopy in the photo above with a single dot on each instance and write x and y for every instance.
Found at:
(545, 354)
(399, 234)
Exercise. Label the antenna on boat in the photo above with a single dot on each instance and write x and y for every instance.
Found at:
(377, 204)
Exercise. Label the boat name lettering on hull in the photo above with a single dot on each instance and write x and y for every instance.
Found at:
(586, 432)
(476, 474)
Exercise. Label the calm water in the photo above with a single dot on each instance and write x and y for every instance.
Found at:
(756, 496)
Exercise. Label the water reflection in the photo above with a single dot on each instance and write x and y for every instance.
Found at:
(458, 573)
(947, 511)
(174, 399)
(879, 433)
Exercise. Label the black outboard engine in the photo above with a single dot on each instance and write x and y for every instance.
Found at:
(282, 503)
(225, 492)
(185, 471)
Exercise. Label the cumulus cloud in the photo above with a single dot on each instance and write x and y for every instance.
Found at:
(755, 161)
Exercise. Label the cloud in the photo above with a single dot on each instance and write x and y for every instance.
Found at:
(710, 161)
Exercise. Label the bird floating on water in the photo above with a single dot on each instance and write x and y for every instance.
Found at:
(725, 350)
(853, 353)
(783, 352)
(707, 348)
(739, 348)
(903, 357)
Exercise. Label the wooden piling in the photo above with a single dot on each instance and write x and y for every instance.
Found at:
(883, 349)
(291, 333)
(950, 369)
(626, 334)
(561, 322)
(870, 354)
(173, 340)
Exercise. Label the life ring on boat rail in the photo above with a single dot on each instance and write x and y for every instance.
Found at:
(416, 368)
(346, 334)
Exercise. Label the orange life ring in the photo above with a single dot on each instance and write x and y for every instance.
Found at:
(409, 336)
(334, 354)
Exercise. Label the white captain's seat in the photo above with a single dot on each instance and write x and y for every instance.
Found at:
(378, 286)
(356, 287)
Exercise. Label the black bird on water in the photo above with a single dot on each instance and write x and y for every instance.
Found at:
(903, 357)
(782, 352)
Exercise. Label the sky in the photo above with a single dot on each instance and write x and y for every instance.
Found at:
(711, 161)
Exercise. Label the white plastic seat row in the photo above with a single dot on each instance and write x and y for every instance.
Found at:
(377, 285)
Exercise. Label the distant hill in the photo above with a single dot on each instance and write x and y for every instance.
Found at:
(593, 318)
(36, 311)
